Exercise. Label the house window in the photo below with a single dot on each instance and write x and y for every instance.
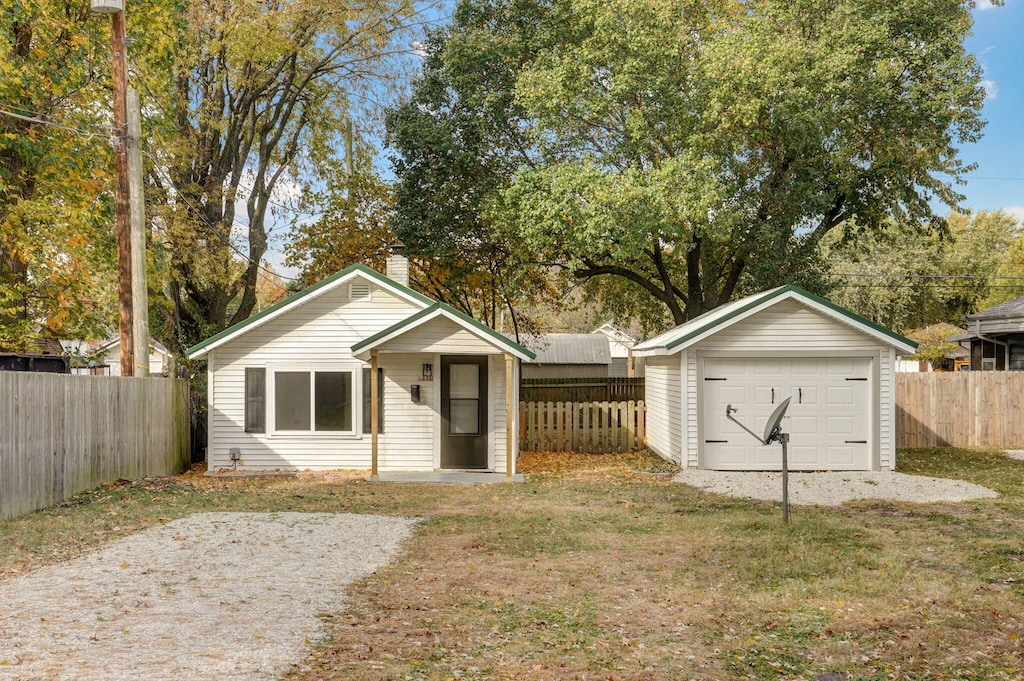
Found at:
(255, 400)
(366, 400)
(313, 401)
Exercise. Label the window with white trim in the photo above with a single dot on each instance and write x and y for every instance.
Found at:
(314, 401)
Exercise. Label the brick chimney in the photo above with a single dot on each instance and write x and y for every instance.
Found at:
(398, 265)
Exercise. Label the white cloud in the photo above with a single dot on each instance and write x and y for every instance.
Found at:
(985, 4)
(1015, 211)
(991, 89)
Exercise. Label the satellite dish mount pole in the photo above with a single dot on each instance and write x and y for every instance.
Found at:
(772, 433)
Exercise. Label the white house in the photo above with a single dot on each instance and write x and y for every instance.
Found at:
(292, 387)
(620, 346)
(107, 358)
(838, 367)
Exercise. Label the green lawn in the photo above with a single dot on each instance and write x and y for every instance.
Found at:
(600, 567)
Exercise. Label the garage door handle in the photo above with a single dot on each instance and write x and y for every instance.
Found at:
(856, 442)
(773, 395)
(713, 379)
(718, 442)
(856, 379)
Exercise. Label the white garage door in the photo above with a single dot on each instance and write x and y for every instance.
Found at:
(829, 417)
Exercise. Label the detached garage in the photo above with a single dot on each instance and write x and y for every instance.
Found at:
(838, 368)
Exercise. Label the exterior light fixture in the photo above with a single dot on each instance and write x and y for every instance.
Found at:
(106, 6)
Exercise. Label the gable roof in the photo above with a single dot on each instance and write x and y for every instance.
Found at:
(570, 348)
(709, 323)
(436, 310)
(332, 282)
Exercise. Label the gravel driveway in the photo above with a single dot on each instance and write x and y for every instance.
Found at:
(216, 596)
(834, 487)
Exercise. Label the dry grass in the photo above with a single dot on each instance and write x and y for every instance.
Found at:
(599, 567)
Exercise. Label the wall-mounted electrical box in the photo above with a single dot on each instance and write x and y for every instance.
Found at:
(235, 453)
(414, 392)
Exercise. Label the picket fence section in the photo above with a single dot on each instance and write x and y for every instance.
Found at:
(960, 409)
(62, 434)
(594, 427)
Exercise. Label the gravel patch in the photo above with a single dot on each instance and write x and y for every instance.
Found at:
(218, 596)
(834, 488)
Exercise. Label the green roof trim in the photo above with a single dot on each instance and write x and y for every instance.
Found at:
(447, 309)
(294, 298)
(760, 299)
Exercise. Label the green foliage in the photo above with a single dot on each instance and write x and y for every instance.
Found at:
(56, 246)
(698, 151)
(906, 277)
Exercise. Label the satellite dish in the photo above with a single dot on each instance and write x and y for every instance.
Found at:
(771, 429)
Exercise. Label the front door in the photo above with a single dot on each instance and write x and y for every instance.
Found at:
(463, 412)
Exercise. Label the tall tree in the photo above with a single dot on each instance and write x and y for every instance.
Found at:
(457, 140)
(694, 150)
(907, 278)
(684, 143)
(56, 243)
(261, 93)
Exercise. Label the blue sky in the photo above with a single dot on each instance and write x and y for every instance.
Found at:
(998, 43)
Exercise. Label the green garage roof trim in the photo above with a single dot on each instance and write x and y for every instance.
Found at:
(701, 326)
(336, 279)
(440, 309)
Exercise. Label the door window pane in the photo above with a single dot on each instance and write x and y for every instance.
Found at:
(464, 381)
(333, 400)
(291, 400)
(464, 417)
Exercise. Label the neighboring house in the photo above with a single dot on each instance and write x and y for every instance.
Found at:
(954, 358)
(291, 387)
(568, 355)
(996, 337)
(838, 368)
(105, 358)
(620, 345)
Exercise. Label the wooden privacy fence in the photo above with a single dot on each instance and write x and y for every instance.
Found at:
(63, 434)
(597, 389)
(964, 408)
(581, 426)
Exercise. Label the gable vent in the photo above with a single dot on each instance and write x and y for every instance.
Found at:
(359, 291)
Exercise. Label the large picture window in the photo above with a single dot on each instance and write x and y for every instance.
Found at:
(313, 401)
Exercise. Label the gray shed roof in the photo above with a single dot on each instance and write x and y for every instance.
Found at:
(570, 348)
(1011, 308)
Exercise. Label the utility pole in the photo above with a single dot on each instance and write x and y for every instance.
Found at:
(140, 294)
(122, 188)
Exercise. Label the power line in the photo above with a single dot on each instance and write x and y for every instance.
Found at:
(43, 121)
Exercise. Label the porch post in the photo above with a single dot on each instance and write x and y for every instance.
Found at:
(374, 414)
(509, 418)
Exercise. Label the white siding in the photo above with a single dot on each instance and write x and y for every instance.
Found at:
(406, 443)
(691, 455)
(497, 413)
(315, 335)
(887, 404)
(439, 335)
(662, 391)
(789, 326)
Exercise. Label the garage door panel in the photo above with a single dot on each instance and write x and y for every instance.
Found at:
(840, 396)
(829, 418)
(801, 425)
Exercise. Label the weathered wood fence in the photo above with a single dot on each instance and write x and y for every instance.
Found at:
(581, 426)
(62, 434)
(597, 389)
(963, 408)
